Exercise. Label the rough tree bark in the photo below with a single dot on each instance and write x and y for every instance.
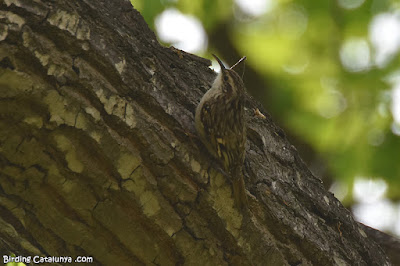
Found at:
(98, 155)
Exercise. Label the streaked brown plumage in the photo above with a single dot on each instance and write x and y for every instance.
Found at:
(221, 126)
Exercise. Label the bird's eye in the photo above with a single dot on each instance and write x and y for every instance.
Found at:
(226, 78)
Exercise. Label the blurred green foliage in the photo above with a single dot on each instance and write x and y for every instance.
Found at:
(344, 115)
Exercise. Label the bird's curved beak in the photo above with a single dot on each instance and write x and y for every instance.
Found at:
(219, 62)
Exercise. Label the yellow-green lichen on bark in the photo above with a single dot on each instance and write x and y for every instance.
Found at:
(118, 106)
(149, 203)
(223, 202)
(126, 164)
(60, 110)
(3, 31)
(58, 63)
(12, 19)
(136, 183)
(93, 112)
(36, 121)
(195, 166)
(64, 21)
(96, 136)
(65, 145)
(120, 66)
(14, 83)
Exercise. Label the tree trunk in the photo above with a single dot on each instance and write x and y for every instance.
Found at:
(99, 156)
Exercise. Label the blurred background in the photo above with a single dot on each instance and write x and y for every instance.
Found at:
(328, 72)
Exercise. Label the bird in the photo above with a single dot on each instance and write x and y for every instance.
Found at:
(221, 126)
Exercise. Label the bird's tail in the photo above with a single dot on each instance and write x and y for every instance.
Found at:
(239, 192)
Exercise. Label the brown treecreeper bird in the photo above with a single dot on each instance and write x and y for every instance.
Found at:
(220, 124)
